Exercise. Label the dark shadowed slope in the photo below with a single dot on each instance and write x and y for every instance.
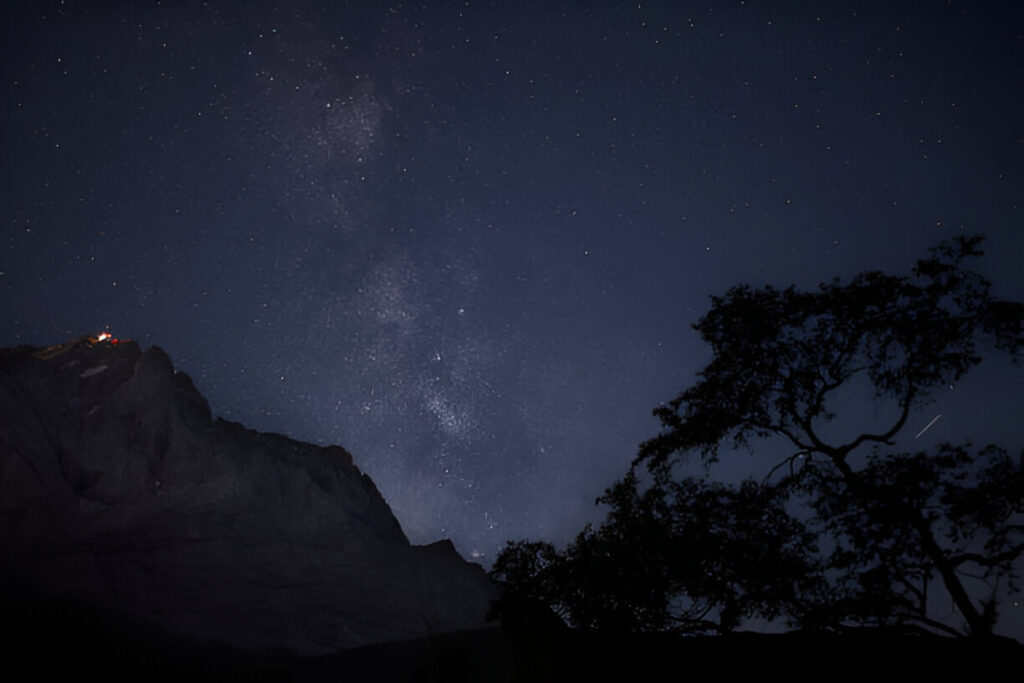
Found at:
(120, 492)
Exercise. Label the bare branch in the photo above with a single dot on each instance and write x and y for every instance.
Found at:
(779, 429)
(990, 561)
(887, 436)
(931, 623)
(788, 461)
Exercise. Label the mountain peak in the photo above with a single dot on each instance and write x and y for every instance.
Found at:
(124, 492)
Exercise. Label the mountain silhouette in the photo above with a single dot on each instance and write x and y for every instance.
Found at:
(121, 495)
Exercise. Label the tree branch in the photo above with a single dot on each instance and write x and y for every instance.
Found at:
(788, 461)
(887, 436)
(779, 429)
(931, 623)
(819, 445)
(984, 561)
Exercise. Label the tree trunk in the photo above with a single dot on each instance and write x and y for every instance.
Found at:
(977, 625)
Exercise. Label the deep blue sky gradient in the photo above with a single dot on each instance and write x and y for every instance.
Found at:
(467, 240)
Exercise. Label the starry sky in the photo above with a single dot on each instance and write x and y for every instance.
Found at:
(467, 240)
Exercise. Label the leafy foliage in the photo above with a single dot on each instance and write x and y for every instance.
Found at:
(686, 554)
(778, 355)
(681, 555)
(914, 516)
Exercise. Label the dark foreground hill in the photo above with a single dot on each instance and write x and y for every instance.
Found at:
(57, 641)
(497, 656)
(127, 510)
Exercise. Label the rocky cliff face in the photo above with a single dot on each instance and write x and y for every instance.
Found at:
(118, 488)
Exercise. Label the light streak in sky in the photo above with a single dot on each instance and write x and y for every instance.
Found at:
(928, 426)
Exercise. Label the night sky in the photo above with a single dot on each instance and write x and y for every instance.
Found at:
(467, 240)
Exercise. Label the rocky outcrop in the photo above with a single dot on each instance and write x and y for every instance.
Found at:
(118, 488)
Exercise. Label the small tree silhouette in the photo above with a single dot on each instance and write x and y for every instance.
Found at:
(700, 556)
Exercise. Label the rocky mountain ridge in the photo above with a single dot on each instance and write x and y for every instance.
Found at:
(118, 488)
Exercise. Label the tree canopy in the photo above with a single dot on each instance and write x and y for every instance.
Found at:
(842, 532)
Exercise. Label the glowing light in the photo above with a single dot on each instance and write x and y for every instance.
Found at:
(105, 338)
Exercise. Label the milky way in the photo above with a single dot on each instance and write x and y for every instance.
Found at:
(466, 241)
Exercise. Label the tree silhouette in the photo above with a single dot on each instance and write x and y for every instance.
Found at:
(698, 556)
(688, 556)
(912, 516)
